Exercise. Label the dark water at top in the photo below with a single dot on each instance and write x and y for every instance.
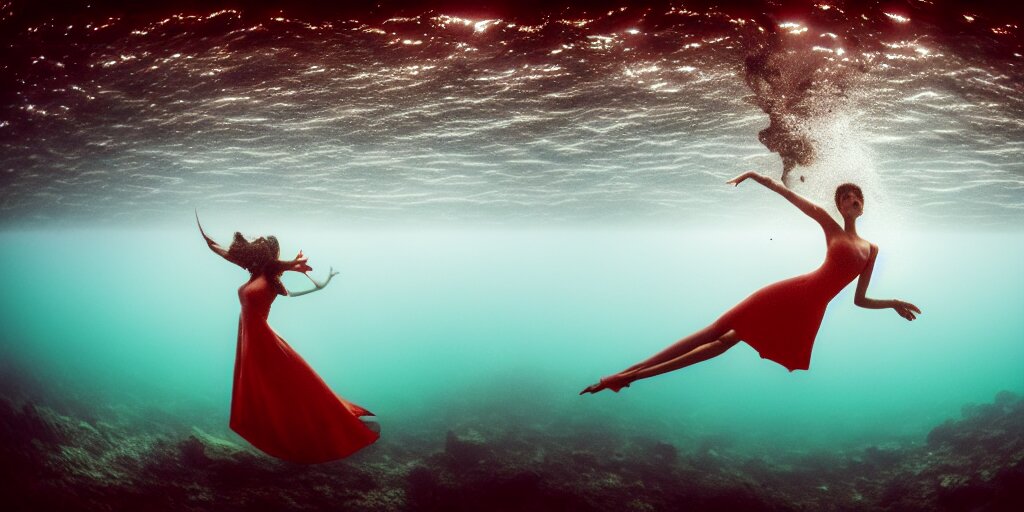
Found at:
(624, 114)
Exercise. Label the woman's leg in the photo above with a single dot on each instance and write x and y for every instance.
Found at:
(703, 344)
(705, 336)
(701, 353)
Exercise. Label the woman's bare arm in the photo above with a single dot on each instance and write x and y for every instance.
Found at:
(805, 205)
(214, 246)
(318, 285)
(905, 309)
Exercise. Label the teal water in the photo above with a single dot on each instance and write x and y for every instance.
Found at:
(432, 328)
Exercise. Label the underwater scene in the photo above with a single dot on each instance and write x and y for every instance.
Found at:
(519, 199)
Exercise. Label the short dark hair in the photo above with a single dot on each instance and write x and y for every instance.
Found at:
(847, 187)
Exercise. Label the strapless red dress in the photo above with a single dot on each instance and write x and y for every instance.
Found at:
(781, 320)
(279, 404)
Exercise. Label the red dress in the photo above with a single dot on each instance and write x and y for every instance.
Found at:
(781, 320)
(279, 404)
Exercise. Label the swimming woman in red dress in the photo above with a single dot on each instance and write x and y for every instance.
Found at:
(781, 320)
(278, 403)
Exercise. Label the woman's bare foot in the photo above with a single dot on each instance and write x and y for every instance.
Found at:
(612, 382)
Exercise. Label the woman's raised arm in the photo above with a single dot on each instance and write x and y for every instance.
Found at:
(805, 205)
(214, 246)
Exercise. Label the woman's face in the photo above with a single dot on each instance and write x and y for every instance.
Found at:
(851, 205)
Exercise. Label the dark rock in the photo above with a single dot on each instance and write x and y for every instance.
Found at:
(467, 449)
(959, 492)
(489, 490)
(584, 459)
(1006, 398)
(969, 464)
(879, 458)
(424, 486)
(729, 500)
(665, 452)
(1008, 492)
(202, 449)
(943, 434)
(192, 452)
(26, 424)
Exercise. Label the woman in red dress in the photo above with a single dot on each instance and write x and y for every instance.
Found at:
(278, 403)
(781, 320)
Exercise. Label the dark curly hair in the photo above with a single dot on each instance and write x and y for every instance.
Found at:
(259, 257)
(847, 187)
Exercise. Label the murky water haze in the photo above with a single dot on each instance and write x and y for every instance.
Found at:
(433, 329)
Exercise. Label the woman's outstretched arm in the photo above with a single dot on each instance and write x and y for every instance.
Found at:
(318, 285)
(214, 246)
(905, 309)
(805, 205)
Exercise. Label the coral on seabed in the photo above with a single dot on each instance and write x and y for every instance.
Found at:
(55, 461)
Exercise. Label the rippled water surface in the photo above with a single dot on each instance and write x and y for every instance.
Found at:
(628, 114)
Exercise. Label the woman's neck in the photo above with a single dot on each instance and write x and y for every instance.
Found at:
(850, 225)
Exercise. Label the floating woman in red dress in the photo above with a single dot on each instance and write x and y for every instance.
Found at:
(278, 403)
(781, 320)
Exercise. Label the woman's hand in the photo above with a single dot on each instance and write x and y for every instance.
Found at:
(739, 179)
(298, 264)
(209, 241)
(330, 274)
(906, 309)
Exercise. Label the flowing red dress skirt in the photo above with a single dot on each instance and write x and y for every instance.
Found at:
(781, 320)
(279, 404)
